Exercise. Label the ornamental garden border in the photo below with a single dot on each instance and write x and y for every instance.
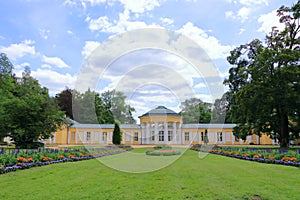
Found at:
(289, 157)
(18, 159)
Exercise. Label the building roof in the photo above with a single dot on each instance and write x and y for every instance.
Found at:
(160, 111)
(207, 126)
(105, 126)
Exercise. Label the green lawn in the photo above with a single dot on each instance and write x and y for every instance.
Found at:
(189, 177)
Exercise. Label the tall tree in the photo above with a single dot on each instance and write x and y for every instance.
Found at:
(221, 112)
(64, 100)
(27, 111)
(195, 111)
(264, 82)
(117, 135)
(7, 86)
(115, 102)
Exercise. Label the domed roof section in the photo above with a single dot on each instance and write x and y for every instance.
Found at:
(160, 111)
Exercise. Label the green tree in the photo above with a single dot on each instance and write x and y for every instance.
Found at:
(117, 135)
(64, 100)
(27, 113)
(33, 114)
(88, 107)
(115, 102)
(195, 111)
(264, 82)
(7, 86)
(221, 112)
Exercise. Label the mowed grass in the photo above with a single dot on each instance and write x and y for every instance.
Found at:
(189, 177)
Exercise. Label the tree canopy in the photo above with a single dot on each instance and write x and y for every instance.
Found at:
(27, 112)
(195, 111)
(92, 107)
(264, 81)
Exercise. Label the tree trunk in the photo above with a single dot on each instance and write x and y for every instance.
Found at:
(284, 131)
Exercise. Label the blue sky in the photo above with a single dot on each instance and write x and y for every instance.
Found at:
(55, 37)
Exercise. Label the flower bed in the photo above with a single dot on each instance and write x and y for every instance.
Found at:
(289, 157)
(163, 151)
(14, 159)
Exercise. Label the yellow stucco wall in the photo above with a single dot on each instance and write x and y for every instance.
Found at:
(151, 119)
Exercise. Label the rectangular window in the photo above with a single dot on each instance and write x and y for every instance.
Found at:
(104, 136)
(161, 136)
(88, 136)
(136, 136)
(186, 136)
(202, 136)
(152, 135)
(227, 136)
(170, 135)
(219, 136)
(128, 137)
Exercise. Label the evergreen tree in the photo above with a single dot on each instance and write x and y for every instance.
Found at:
(117, 135)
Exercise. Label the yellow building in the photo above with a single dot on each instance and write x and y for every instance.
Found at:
(158, 126)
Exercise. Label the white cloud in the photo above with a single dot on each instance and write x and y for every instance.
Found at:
(242, 30)
(21, 66)
(70, 32)
(229, 14)
(57, 62)
(89, 47)
(140, 6)
(268, 21)
(166, 21)
(247, 6)
(46, 66)
(210, 44)
(243, 13)
(44, 33)
(93, 2)
(53, 80)
(205, 97)
(15, 51)
(69, 3)
(122, 25)
(200, 85)
(254, 2)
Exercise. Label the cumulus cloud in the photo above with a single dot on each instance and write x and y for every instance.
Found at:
(268, 21)
(54, 81)
(166, 21)
(140, 6)
(209, 43)
(254, 2)
(15, 51)
(55, 61)
(247, 6)
(243, 13)
(89, 47)
(123, 24)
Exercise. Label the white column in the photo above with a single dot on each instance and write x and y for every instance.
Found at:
(175, 136)
(92, 137)
(182, 136)
(69, 137)
(76, 137)
(147, 133)
(156, 132)
(166, 132)
(84, 137)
